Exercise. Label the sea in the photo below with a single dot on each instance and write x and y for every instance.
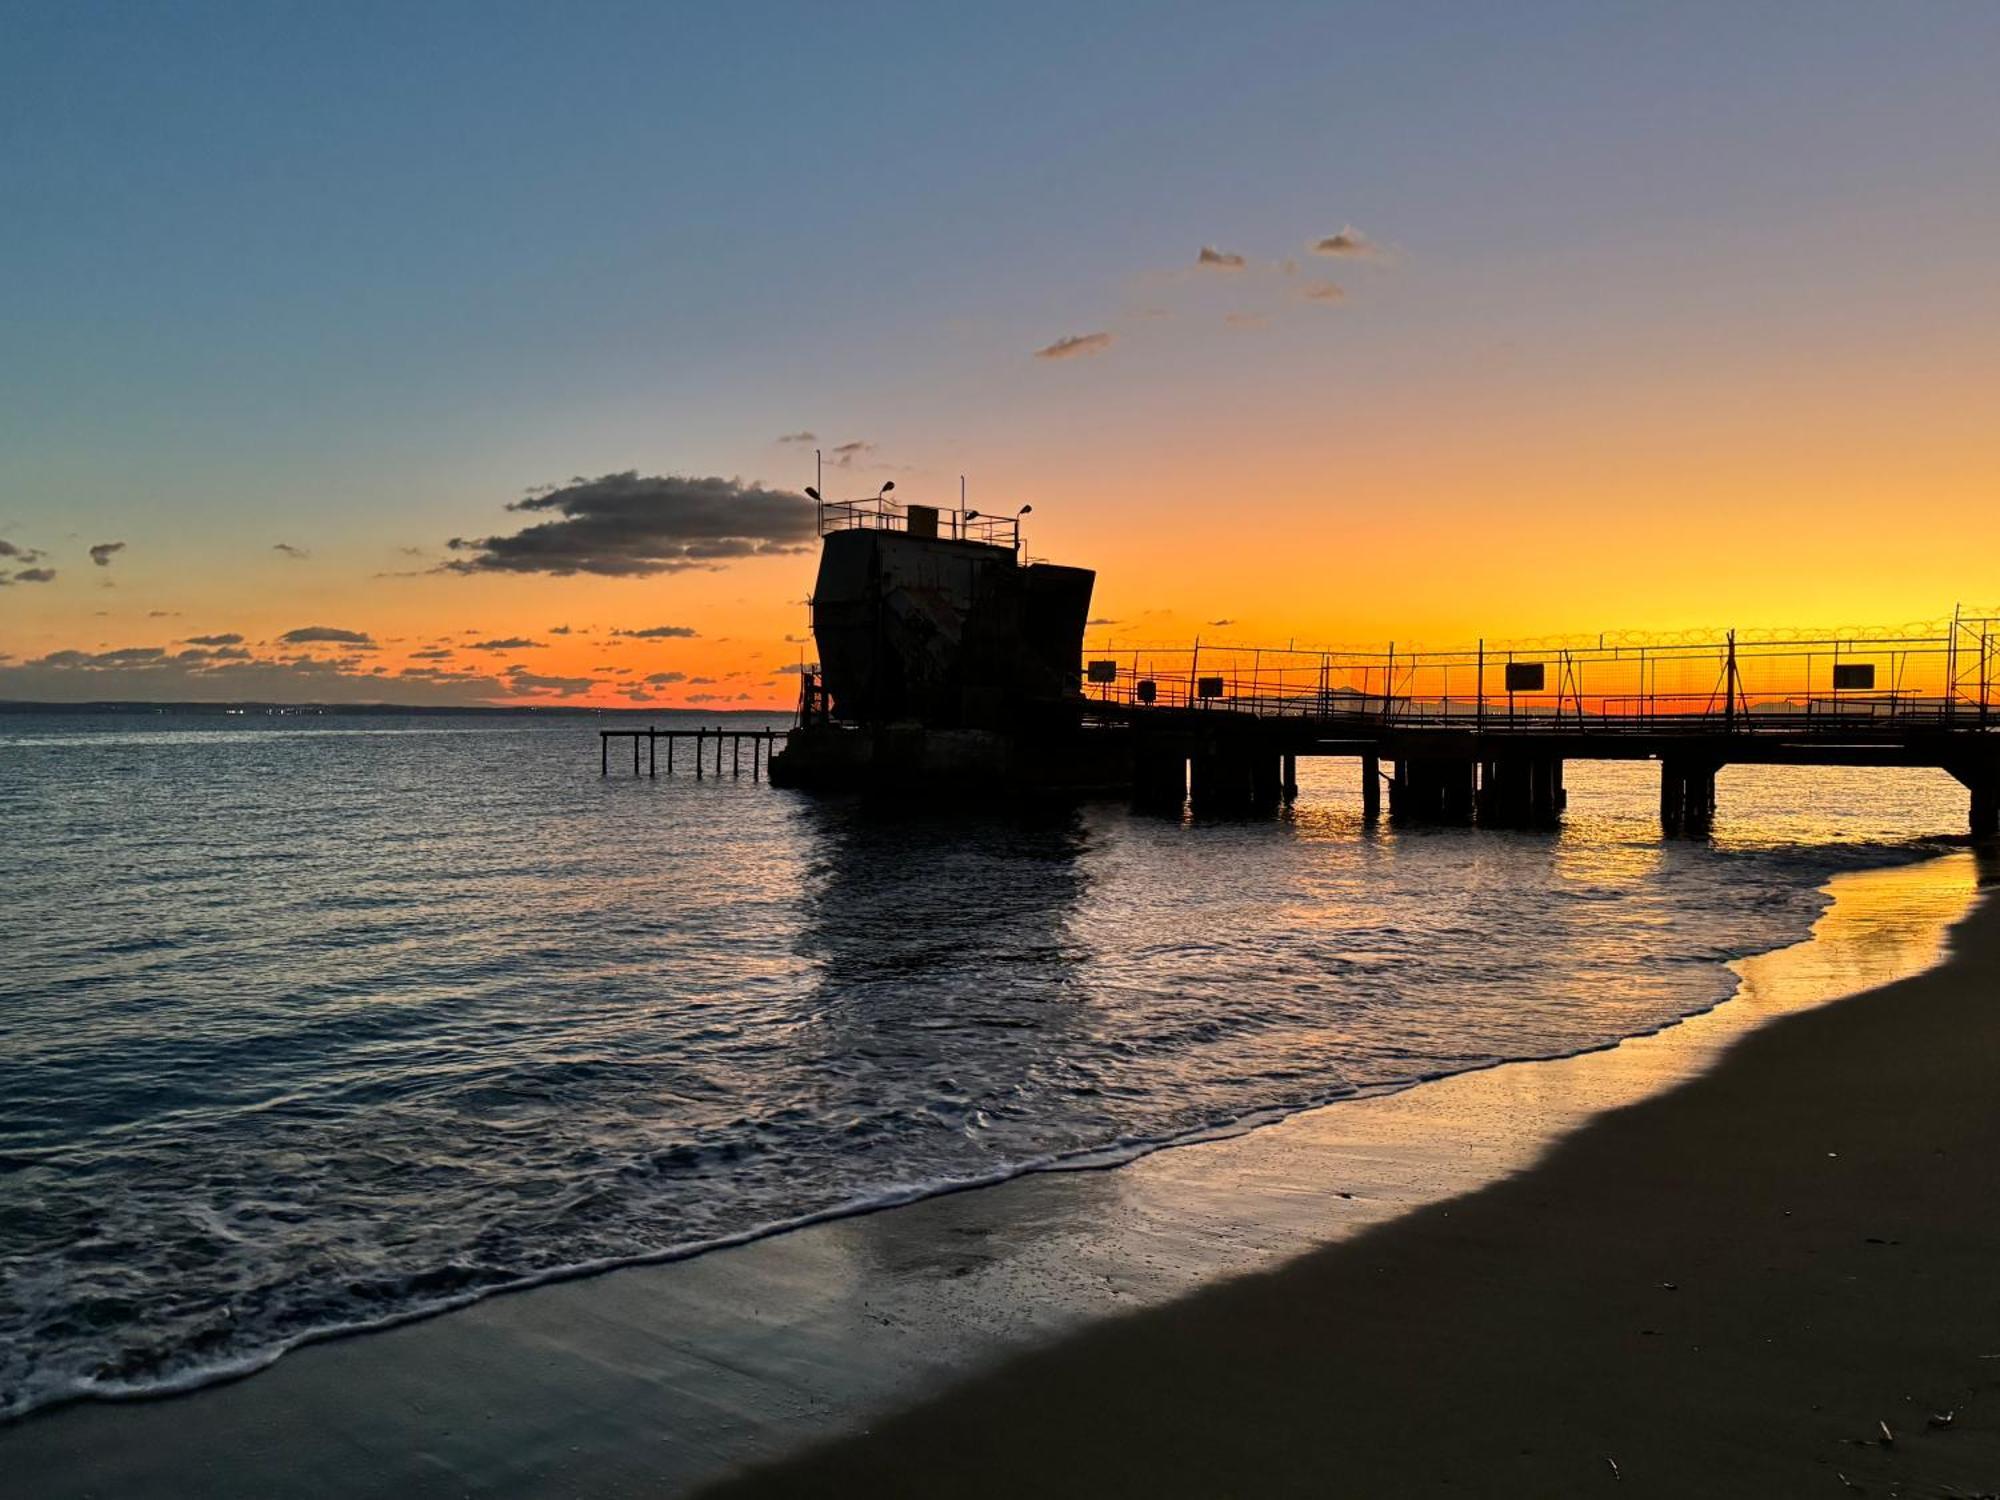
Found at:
(312, 1024)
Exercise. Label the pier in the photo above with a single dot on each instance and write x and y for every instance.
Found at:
(1480, 736)
(702, 752)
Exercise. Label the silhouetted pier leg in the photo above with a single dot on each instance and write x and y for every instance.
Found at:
(1371, 788)
(604, 755)
(1522, 792)
(1687, 795)
(736, 755)
(652, 754)
(1159, 777)
(1983, 781)
(698, 771)
(1230, 780)
(1267, 779)
(1289, 774)
(635, 754)
(1432, 791)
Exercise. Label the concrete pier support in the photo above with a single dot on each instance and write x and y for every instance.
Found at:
(1687, 795)
(1433, 791)
(1522, 792)
(1288, 776)
(1982, 779)
(1371, 788)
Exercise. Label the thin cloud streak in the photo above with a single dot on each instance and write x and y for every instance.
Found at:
(1075, 346)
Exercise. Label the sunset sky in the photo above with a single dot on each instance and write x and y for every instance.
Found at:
(1327, 323)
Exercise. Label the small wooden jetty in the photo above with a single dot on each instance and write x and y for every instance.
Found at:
(716, 751)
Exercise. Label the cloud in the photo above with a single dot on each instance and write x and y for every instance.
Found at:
(35, 575)
(559, 630)
(434, 654)
(102, 553)
(20, 554)
(628, 526)
(506, 643)
(1074, 345)
(1219, 260)
(660, 633)
(1100, 620)
(566, 687)
(661, 679)
(154, 674)
(1350, 242)
(307, 635)
(296, 554)
(231, 639)
(846, 454)
(797, 437)
(1324, 291)
(1222, 622)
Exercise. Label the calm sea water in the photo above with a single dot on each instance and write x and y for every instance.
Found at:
(306, 1024)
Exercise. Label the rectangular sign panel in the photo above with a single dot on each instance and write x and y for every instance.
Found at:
(1208, 687)
(1524, 676)
(1103, 671)
(1854, 675)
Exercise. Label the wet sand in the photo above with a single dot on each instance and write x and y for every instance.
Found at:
(1304, 1322)
(1777, 1279)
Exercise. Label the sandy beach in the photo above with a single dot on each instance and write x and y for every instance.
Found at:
(1760, 1236)
(1773, 1280)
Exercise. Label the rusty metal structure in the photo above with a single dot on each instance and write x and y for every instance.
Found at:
(945, 658)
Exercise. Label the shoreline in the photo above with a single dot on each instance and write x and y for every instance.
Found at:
(1175, 1222)
(1769, 1278)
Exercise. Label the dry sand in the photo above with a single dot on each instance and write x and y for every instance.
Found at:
(1520, 1340)
(1782, 1278)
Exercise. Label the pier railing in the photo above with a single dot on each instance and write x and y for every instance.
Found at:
(1944, 675)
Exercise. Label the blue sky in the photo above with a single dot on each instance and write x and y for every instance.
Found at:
(356, 275)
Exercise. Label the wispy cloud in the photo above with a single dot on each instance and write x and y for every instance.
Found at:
(629, 526)
(661, 679)
(797, 437)
(1349, 242)
(563, 687)
(19, 554)
(296, 554)
(660, 633)
(307, 635)
(34, 575)
(1075, 345)
(230, 639)
(846, 455)
(103, 552)
(506, 643)
(1219, 260)
(1324, 291)
(1246, 320)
